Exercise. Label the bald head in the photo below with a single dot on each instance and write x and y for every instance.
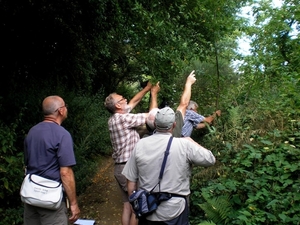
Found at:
(52, 103)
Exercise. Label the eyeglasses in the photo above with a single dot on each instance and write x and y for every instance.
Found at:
(121, 100)
(66, 105)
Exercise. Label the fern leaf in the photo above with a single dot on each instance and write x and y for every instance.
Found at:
(217, 209)
(207, 223)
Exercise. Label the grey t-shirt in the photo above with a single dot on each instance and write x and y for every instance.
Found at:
(179, 124)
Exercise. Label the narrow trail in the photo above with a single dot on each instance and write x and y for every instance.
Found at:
(102, 200)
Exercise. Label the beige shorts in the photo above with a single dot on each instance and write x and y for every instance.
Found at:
(122, 181)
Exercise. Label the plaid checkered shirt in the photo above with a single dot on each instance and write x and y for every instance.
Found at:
(191, 120)
(123, 134)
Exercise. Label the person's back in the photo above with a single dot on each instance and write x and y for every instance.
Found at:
(44, 146)
(149, 153)
(145, 163)
(48, 152)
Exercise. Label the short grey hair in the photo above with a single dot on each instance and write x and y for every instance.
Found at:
(192, 105)
(110, 103)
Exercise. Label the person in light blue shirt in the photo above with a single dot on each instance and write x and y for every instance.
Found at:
(194, 120)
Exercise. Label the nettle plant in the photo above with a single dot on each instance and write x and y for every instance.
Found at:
(262, 182)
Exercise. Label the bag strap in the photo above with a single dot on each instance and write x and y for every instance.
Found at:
(163, 164)
(165, 159)
(35, 182)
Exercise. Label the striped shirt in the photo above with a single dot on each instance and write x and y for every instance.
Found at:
(123, 134)
(191, 120)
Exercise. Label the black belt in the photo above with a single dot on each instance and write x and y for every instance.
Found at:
(176, 195)
(122, 163)
(168, 195)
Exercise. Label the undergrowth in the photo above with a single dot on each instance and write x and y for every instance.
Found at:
(256, 179)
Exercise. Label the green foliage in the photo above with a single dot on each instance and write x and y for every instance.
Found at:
(12, 216)
(11, 173)
(217, 209)
(263, 182)
(275, 41)
(256, 143)
(207, 223)
(74, 47)
(212, 84)
(87, 123)
(261, 176)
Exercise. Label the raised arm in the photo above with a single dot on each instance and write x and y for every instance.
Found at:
(186, 95)
(138, 97)
(154, 92)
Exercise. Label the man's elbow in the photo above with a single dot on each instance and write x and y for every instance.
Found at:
(66, 171)
(184, 104)
(209, 160)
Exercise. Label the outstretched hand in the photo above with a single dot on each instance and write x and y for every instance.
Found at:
(155, 88)
(148, 86)
(191, 78)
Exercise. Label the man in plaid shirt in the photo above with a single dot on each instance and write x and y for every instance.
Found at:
(123, 134)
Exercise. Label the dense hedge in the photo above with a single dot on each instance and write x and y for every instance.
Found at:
(256, 179)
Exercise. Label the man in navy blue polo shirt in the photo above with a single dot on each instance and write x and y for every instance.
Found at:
(49, 153)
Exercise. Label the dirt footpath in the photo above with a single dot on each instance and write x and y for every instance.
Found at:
(102, 200)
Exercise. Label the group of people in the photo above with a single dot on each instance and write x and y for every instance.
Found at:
(48, 149)
(138, 161)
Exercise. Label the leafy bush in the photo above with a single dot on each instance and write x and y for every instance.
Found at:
(11, 216)
(87, 124)
(263, 182)
(258, 167)
(11, 173)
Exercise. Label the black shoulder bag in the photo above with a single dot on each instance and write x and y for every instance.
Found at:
(143, 202)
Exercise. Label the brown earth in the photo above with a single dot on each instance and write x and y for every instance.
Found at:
(102, 200)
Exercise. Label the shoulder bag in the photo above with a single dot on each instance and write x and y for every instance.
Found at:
(143, 202)
(41, 192)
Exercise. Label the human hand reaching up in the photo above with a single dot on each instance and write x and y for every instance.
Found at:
(155, 88)
(191, 78)
(148, 86)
